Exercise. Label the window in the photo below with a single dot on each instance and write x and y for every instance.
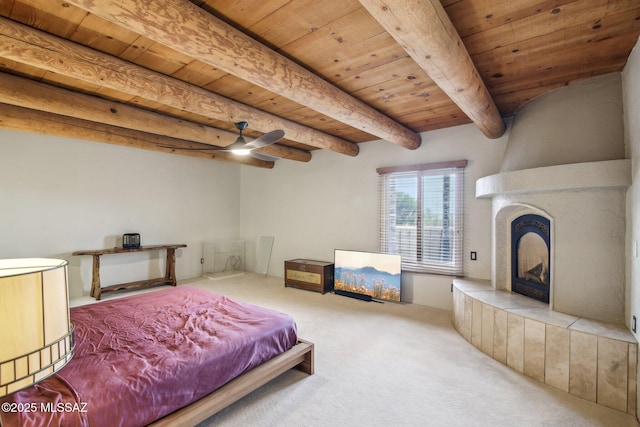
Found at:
(421, 215)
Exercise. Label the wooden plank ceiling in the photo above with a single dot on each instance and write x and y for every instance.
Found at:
(174, 75)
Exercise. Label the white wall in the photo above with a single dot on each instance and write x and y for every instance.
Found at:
(332, 202)
(578, 123)
(60, 195)
(631, 98)
(631, 91)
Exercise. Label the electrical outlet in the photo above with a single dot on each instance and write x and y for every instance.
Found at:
(474, 255)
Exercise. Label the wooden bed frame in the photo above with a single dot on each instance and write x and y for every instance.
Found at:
(299, 356)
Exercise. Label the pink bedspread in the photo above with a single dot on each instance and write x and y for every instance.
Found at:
(142, 357)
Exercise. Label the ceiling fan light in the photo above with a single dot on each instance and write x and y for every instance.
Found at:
(239, 147)
(241, 151)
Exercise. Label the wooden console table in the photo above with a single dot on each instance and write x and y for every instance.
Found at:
(168, 279)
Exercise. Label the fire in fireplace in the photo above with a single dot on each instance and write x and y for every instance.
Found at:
(530, 256)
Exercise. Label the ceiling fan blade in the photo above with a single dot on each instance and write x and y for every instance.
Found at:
(266, 139)
(266, 157)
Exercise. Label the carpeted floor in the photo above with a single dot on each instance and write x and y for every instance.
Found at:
(391, 365)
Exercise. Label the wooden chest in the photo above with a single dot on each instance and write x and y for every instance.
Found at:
(308, 274)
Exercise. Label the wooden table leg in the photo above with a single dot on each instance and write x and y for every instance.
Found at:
(170, 274)
(95, 281)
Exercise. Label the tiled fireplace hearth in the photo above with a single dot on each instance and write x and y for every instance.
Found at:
(593, 360)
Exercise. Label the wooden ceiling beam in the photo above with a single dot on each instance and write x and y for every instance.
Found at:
(33, 121)
(282, 151)
(424, 30)
(26, 45)
(27, 93)
(190, 30)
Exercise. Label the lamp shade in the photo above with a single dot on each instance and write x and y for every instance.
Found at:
(36, 333)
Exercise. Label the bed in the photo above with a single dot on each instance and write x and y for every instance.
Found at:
(170, 357)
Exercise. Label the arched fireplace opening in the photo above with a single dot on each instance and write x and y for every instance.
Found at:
(531, 256)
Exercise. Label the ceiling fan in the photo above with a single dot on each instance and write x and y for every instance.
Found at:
(242, 147)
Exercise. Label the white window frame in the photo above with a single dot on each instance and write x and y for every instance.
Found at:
(435, 249)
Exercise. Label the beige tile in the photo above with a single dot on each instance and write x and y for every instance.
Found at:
(633, 384)
(488, 318)
(476, 324)
(515, 342)
(461, 310)
(547, 316)
(469, 285)
(507, 300)
(534, 345)
(456, 309)
(603, 329)
(468, 318)
(583, 365)
(557, 357)
(500, 336)
(613, 369)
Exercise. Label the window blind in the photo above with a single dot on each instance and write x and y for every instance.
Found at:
(422, 216)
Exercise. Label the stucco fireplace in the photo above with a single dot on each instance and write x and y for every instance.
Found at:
(577, 342)
(559, 196)
(581, 206)
(565, 162)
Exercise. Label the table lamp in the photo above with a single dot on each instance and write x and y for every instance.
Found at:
(36, 333)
